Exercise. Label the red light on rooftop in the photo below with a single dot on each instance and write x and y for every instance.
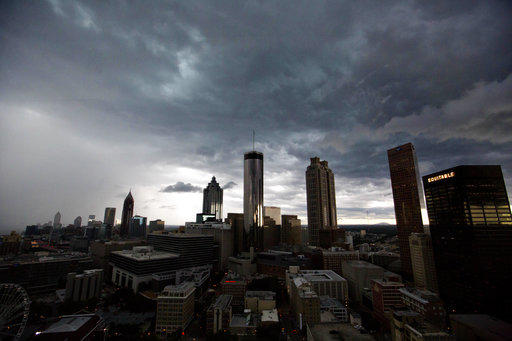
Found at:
(230, 282)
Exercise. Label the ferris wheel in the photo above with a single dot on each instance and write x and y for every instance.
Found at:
(14, 309)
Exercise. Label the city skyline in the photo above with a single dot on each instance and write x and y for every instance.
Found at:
(98, 103)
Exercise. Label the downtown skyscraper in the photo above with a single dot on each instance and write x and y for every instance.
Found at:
(253, 196)
(110, 216)
(408, 199)
(127, 215)
(321, 199)
(471, 229)
(212, 199)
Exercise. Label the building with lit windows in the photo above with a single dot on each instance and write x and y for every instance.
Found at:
(471, 230)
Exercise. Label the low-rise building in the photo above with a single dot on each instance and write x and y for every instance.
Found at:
(235, 285)
(218, 315)
(100, 252)
(475, 327)
(175, 309)
(323, 282)
(304, 301)
(386, 297)
(257, 301)
(334, 306)
(334, 258)
(358, 275)
(275, 263)
(426, 303)
(82, 287)
(74, 327)
(222, 237)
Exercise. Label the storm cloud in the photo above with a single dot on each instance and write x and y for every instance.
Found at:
(181, 187)
(100, 97)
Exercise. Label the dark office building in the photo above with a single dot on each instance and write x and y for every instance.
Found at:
(321, 199)
(194, 249)
(471, 230)
(138, 226)
(110, 216)
(236, 220)
(127, 215)
(212, 199)
(407, 197)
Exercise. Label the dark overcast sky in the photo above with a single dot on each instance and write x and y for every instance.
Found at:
(97, 97)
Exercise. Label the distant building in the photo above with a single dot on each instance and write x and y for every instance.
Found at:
(100, 252)
(334, 258)
(56, 221)
(175, 308)
(212, 199)
(218, 315)
(323, 282)
(471, 230)
(257, 301)
(276, 263)
(291, 230)
(138, 226)
(422, 259)
(82, 287)
(253, 197)
(358, 275)
(274, 213)
(110, 216)
(321, 199)
(156, 225)
(74, 327)
(127, 215)
(78, 221)
(407, 197)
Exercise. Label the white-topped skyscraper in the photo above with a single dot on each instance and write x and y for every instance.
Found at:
(212, 199)
(253, 195)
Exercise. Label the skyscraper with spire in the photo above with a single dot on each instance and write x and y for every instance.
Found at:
(212, 199)
(127, 215)
(56, 220)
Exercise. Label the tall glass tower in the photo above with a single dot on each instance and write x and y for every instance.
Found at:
(253, 195)
(212, 199)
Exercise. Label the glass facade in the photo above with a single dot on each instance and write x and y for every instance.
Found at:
(471, 230)
(253, 195)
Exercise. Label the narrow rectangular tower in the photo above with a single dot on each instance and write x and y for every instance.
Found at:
(212, 199)
(321, 199)
(253, 196)
(407, 197)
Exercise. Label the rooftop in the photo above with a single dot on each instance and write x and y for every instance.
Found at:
(362, 264)
(222, 302)
(337, 331)
(173, 290)
(269, 316)
(327, 301)
(70, 323)
(140, 255)
(423, 296)
(319, 276)
(266, 295)
(487, 326)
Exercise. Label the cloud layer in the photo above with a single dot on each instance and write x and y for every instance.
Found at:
(98, 98)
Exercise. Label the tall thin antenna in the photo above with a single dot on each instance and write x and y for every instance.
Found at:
(253, 133)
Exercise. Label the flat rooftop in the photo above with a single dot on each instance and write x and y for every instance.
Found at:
(68, 324)
(362, 264)
(320, 276)
(327, 301)
(266, 295)
(338, 331)
(222, 302)
(144, 256)
(485, 325)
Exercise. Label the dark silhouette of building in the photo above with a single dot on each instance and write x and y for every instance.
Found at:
(78, 221)
(212, 199)
(236, 220)
(471, 230)
(407, 197)
(127, 215)
(321, 199)
(110, 216)
(138, 226)
(253, 196)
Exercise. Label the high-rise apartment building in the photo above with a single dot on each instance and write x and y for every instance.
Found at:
(212, 199)
(321, 199)
(422, 259)
(82, 287)
(291, 230)
(471, 230)
(253, 196)
(127, 215)
(175, 308)
(407, 197)
(110, 216)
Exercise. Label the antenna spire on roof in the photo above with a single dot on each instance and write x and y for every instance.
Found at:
(253, 133)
